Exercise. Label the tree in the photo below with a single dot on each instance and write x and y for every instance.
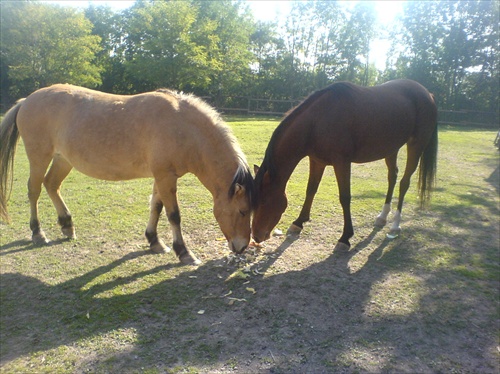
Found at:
(224, 27)
(109, 26)
(44, 44)
(354, 47)
(160, 50)
(451, 47)
(193, 45)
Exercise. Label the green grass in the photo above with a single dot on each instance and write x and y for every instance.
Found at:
(425, 302)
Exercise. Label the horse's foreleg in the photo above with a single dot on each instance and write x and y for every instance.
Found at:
(411, 165)
(58, 171)
(343, 174)
(392, 177)
(155, 244)
(167, 188)
(316, 171)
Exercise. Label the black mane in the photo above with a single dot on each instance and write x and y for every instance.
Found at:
(243, 177)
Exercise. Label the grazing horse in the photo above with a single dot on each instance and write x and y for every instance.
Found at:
(341, 124)
(161, 134)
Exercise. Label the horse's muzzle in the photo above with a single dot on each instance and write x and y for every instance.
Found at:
(259, 239)
(238, 246)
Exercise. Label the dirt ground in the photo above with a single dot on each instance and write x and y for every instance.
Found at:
(297, 306)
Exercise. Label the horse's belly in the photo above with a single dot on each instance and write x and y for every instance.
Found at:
(373, 154)
(112, 175)
(111, 170)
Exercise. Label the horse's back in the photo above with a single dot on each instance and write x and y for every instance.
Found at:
(102, 135)
(368, 123)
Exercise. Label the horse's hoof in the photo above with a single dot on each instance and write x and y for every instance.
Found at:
(293, 231)
(69, 232)
(188, 258)
(159, 247)
(40, 239)
(394, 233)
(380, 222)
(341, 247)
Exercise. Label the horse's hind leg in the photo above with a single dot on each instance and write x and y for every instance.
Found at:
(316, 171)
(155, 244)
(58, 171)
(392, 177)
(413, 157)
(37, 173)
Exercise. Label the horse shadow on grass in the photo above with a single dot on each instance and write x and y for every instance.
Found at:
(27, 245)
(325, 318)
(37, 317)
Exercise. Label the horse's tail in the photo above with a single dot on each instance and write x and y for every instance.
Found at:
(9, 135)
(427, 170)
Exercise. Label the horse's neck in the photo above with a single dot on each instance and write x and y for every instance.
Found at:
(216, 168)
(289, 150)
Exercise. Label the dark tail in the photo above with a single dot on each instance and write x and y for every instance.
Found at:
(9, 135)
(427, 170)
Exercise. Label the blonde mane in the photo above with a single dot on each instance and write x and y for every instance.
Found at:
(223, 132)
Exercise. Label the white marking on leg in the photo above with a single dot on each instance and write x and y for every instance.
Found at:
(382, 217)
(395, 228)
(396, 221)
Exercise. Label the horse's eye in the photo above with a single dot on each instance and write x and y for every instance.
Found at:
(242, 213)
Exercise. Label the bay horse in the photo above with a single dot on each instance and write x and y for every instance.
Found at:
(162, 134)
(341, 124)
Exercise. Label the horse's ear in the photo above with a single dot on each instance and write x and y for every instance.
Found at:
(239, 189)
(255, 169)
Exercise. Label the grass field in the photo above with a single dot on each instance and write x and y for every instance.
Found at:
(426, 302)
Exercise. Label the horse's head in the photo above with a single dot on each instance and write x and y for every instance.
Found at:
(270, 205)
(232, 211)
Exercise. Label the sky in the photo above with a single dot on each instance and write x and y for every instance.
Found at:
(266, 10)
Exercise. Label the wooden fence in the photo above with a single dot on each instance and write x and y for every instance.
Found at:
(468, 118)
(257, 106)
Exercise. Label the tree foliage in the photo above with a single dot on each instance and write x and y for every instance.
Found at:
(44, 44)
(452, 48)
(217, 48)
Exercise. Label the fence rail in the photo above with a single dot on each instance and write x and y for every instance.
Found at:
(258, 106)
(468, 118)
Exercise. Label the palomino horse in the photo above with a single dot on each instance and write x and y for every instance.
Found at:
(160, 134)
(341, 124)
